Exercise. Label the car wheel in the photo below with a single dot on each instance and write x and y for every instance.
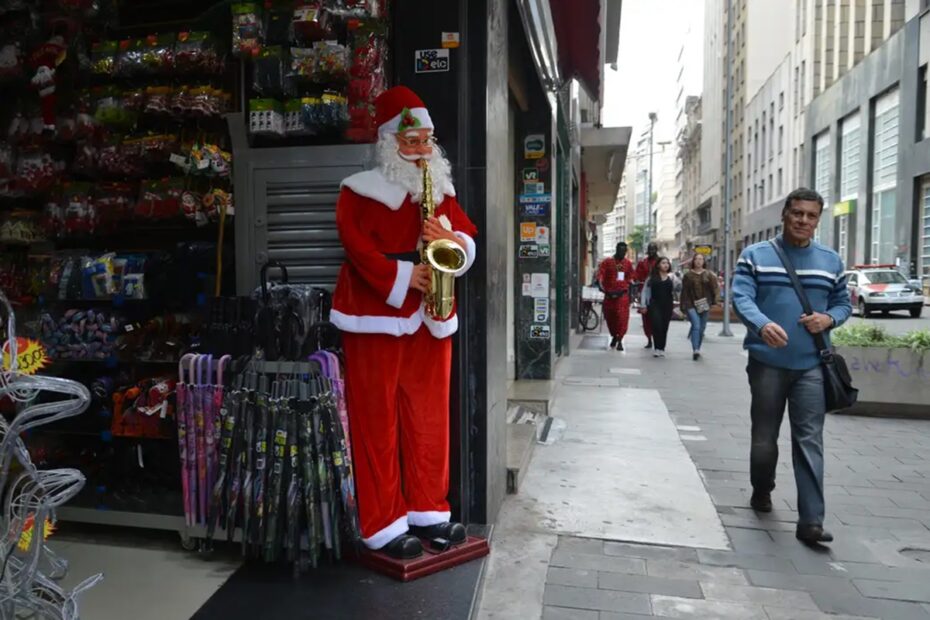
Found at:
(915, 312)
(863, 309)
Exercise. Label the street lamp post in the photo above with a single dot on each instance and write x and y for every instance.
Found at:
(728, 184)
(652, 125)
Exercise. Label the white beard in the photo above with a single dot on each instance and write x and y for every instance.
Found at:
(408, 175)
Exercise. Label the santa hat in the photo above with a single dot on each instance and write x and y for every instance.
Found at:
(399, 109)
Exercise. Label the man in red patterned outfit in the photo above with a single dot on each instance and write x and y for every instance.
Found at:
(615, 275)
(643, 270)
(398, 359)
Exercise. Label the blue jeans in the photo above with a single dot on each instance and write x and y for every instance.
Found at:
(802, 390)
(698, 326)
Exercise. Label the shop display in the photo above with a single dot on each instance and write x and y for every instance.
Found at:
(32, 496)
(399, 504)
(317, 76)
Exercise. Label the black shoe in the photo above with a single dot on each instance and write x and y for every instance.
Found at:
(813, 534)
(404, 547)
(761, 502)
(453, 532)
(695, 356)
(648, 344)
(619, 345)
(613, 343)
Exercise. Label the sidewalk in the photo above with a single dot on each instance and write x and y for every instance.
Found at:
(606, 566)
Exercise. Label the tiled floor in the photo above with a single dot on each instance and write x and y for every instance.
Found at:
(878, 502)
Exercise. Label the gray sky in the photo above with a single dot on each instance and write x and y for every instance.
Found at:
(651, 35)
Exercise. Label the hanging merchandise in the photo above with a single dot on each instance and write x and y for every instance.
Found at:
(363, 9)
(311, 22)
(197, 53)
(268, 72)
(367, 80)
(246, 29)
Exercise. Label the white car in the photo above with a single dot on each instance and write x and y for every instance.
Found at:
(882, 288)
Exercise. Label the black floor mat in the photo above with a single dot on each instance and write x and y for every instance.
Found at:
(346, 591)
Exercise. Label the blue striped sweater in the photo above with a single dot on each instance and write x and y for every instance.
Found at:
(762, 293)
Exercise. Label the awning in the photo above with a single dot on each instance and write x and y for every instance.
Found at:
(603, 157)
(581, 42)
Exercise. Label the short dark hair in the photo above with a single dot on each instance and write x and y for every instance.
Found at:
(621, 250)
(803, 194)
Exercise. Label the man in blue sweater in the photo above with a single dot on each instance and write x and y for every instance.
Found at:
(784, 363)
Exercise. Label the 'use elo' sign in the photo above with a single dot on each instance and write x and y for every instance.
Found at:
(432, 61)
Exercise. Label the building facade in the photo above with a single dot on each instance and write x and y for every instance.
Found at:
(871, 155)
(688, 197)
(827, 38)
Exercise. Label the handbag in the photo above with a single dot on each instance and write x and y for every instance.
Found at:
(702, 305)
(838, 389)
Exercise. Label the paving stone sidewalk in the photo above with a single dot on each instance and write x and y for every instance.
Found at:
(878, 503)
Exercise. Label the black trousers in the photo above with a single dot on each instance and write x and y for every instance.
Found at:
(659, 319)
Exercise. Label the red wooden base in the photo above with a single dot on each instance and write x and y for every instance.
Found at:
(426, 564)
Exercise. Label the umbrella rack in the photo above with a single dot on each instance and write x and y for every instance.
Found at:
(266, 461)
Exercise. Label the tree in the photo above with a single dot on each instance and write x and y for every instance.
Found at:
(637, 239)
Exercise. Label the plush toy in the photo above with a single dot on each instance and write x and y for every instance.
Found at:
(44, 83)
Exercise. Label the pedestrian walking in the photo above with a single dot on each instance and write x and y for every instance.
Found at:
(643, 272)
(659, 301)
(615, 275)
(784, 363)
(698, 293)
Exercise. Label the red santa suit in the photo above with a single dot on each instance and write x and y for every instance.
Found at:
(398, 359)
(615, 277)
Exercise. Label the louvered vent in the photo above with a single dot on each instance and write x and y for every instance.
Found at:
(302, 230)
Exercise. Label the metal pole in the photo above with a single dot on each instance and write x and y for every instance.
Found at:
(728, 184)
(648, 235)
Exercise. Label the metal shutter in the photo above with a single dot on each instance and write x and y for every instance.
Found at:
(292, 215)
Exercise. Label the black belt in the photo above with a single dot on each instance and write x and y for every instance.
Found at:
(410, 257)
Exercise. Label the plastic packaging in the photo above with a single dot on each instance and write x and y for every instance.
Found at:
(310, 22)
(268, 72)
(246, 29)
(266, 118)
(103, 58)
(197, 53)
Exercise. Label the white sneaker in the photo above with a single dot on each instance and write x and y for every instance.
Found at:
(655, 354)
(661, 353)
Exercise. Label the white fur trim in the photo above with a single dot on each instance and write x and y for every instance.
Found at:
(470, 252)
(372, 184)
(426, 519)
(440, 329)
(401, 284)
(388, 534)
(390, 325)
(421, 114)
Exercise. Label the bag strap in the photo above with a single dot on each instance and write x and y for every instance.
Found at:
(819, 341)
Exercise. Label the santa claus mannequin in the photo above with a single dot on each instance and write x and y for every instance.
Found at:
(398, 356)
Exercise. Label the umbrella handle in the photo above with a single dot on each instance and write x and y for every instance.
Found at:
(221, 365)
(185, 359)
(195, 370)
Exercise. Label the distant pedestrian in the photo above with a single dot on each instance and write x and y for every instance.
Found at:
(784, 363)
(659, 301)
(698, 293)
(643, 271)
(615, 275)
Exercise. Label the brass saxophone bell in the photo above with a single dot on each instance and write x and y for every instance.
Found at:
(446, 258)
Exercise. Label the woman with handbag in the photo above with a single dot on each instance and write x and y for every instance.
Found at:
(658, 298)
(614, 275)
(699, 292)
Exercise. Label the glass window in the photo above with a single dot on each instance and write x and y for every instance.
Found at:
(842, 238)
(884, 179)
(853, 279)
(925, 236)
(883, 277)
(822, 183)
(849, 158)
(781, 138)
(781, 181)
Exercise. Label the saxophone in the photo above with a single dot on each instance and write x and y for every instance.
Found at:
(446, 258)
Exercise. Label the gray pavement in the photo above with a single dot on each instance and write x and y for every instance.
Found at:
(878, 502)
(898, 323)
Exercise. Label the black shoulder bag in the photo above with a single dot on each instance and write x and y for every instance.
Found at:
(837, 382)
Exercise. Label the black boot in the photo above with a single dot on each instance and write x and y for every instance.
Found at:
(619, 344)
(648, 343)
(613, 342)
(404, 547)
(453, 532)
